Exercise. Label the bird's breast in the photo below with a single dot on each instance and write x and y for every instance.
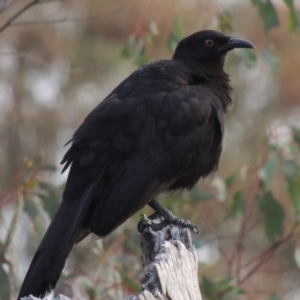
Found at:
(196, 154)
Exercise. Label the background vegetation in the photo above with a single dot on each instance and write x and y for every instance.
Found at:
(60, 58)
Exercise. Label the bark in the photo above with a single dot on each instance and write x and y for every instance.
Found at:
(169, 260)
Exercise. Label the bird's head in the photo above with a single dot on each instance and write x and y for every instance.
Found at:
(208, 46)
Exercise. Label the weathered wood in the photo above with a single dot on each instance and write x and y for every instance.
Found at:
(59, 297)
(170, 263)
(169, 260)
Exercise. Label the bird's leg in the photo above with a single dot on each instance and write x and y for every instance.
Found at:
(170, 217)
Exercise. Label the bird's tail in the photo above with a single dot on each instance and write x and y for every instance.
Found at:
(49, 259)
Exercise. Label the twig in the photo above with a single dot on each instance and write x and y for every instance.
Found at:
(238, 247)
(17, 14)
(82, 19)
(3, 6)
(266, 255)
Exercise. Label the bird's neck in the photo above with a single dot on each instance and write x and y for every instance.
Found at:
(214, 76)
(221, 86)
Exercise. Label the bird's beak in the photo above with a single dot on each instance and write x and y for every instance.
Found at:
(236, 43)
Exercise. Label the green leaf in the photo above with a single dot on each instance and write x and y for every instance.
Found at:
(50, 196)
(13, 225)
(38, 219)
(290, 169)
(128, 49)
(231, 179)
(140, 57)
(177, 29)
(296, 134)
(225, 21)
(293, 19)
(273, 215)
(176, 35)
(4, 284)
(207, 287)
(223, 282)
(248, 57)
(130, 283)
(45, 186)
(31, 209)
(268, 171)
(237, 204)
(267, 12)
(172, 42)
(275, 297)
(232, 295)
(197, 194)
(293, 186)
(271, 60)
(49, 168)
(50, 204)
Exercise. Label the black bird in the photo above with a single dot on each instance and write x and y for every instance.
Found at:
(160, 129)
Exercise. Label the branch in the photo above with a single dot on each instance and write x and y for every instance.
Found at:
(79, 19)
(266, 255)
(18, 13)
(3, 6)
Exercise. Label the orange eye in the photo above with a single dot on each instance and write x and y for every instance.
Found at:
(209, 43)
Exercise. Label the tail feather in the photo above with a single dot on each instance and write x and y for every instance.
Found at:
(49, 259)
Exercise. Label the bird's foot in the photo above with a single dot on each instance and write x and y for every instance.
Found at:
(170, 217)
(155, 221)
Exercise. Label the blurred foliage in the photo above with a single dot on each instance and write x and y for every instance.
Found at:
(267, 12)
(56, 68)
(293, 18)
(176, 35)
(225, 20)
(220, 290)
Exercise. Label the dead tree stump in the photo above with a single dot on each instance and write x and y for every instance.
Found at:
(169, 260)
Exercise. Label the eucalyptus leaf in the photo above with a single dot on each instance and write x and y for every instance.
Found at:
(232, 295)
(4, 284)
(172, 42)
(271, 60)
(268, 171)
(130, 283)
(223, 282)
(290, 169)
(293, 18)
(176, 35)
(267, 12)
(225, 21)
(273, 215)
(231, 179)
(248, 57)
(128, 48)
(140, 57)
(237, 204)
(50, 203)
(275, 297)
(293, 187)
(49, 168)
(296, 134)
(178, 29)
(198, 194)
(207, 287)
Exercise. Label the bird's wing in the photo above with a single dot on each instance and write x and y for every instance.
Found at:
(146, 135)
